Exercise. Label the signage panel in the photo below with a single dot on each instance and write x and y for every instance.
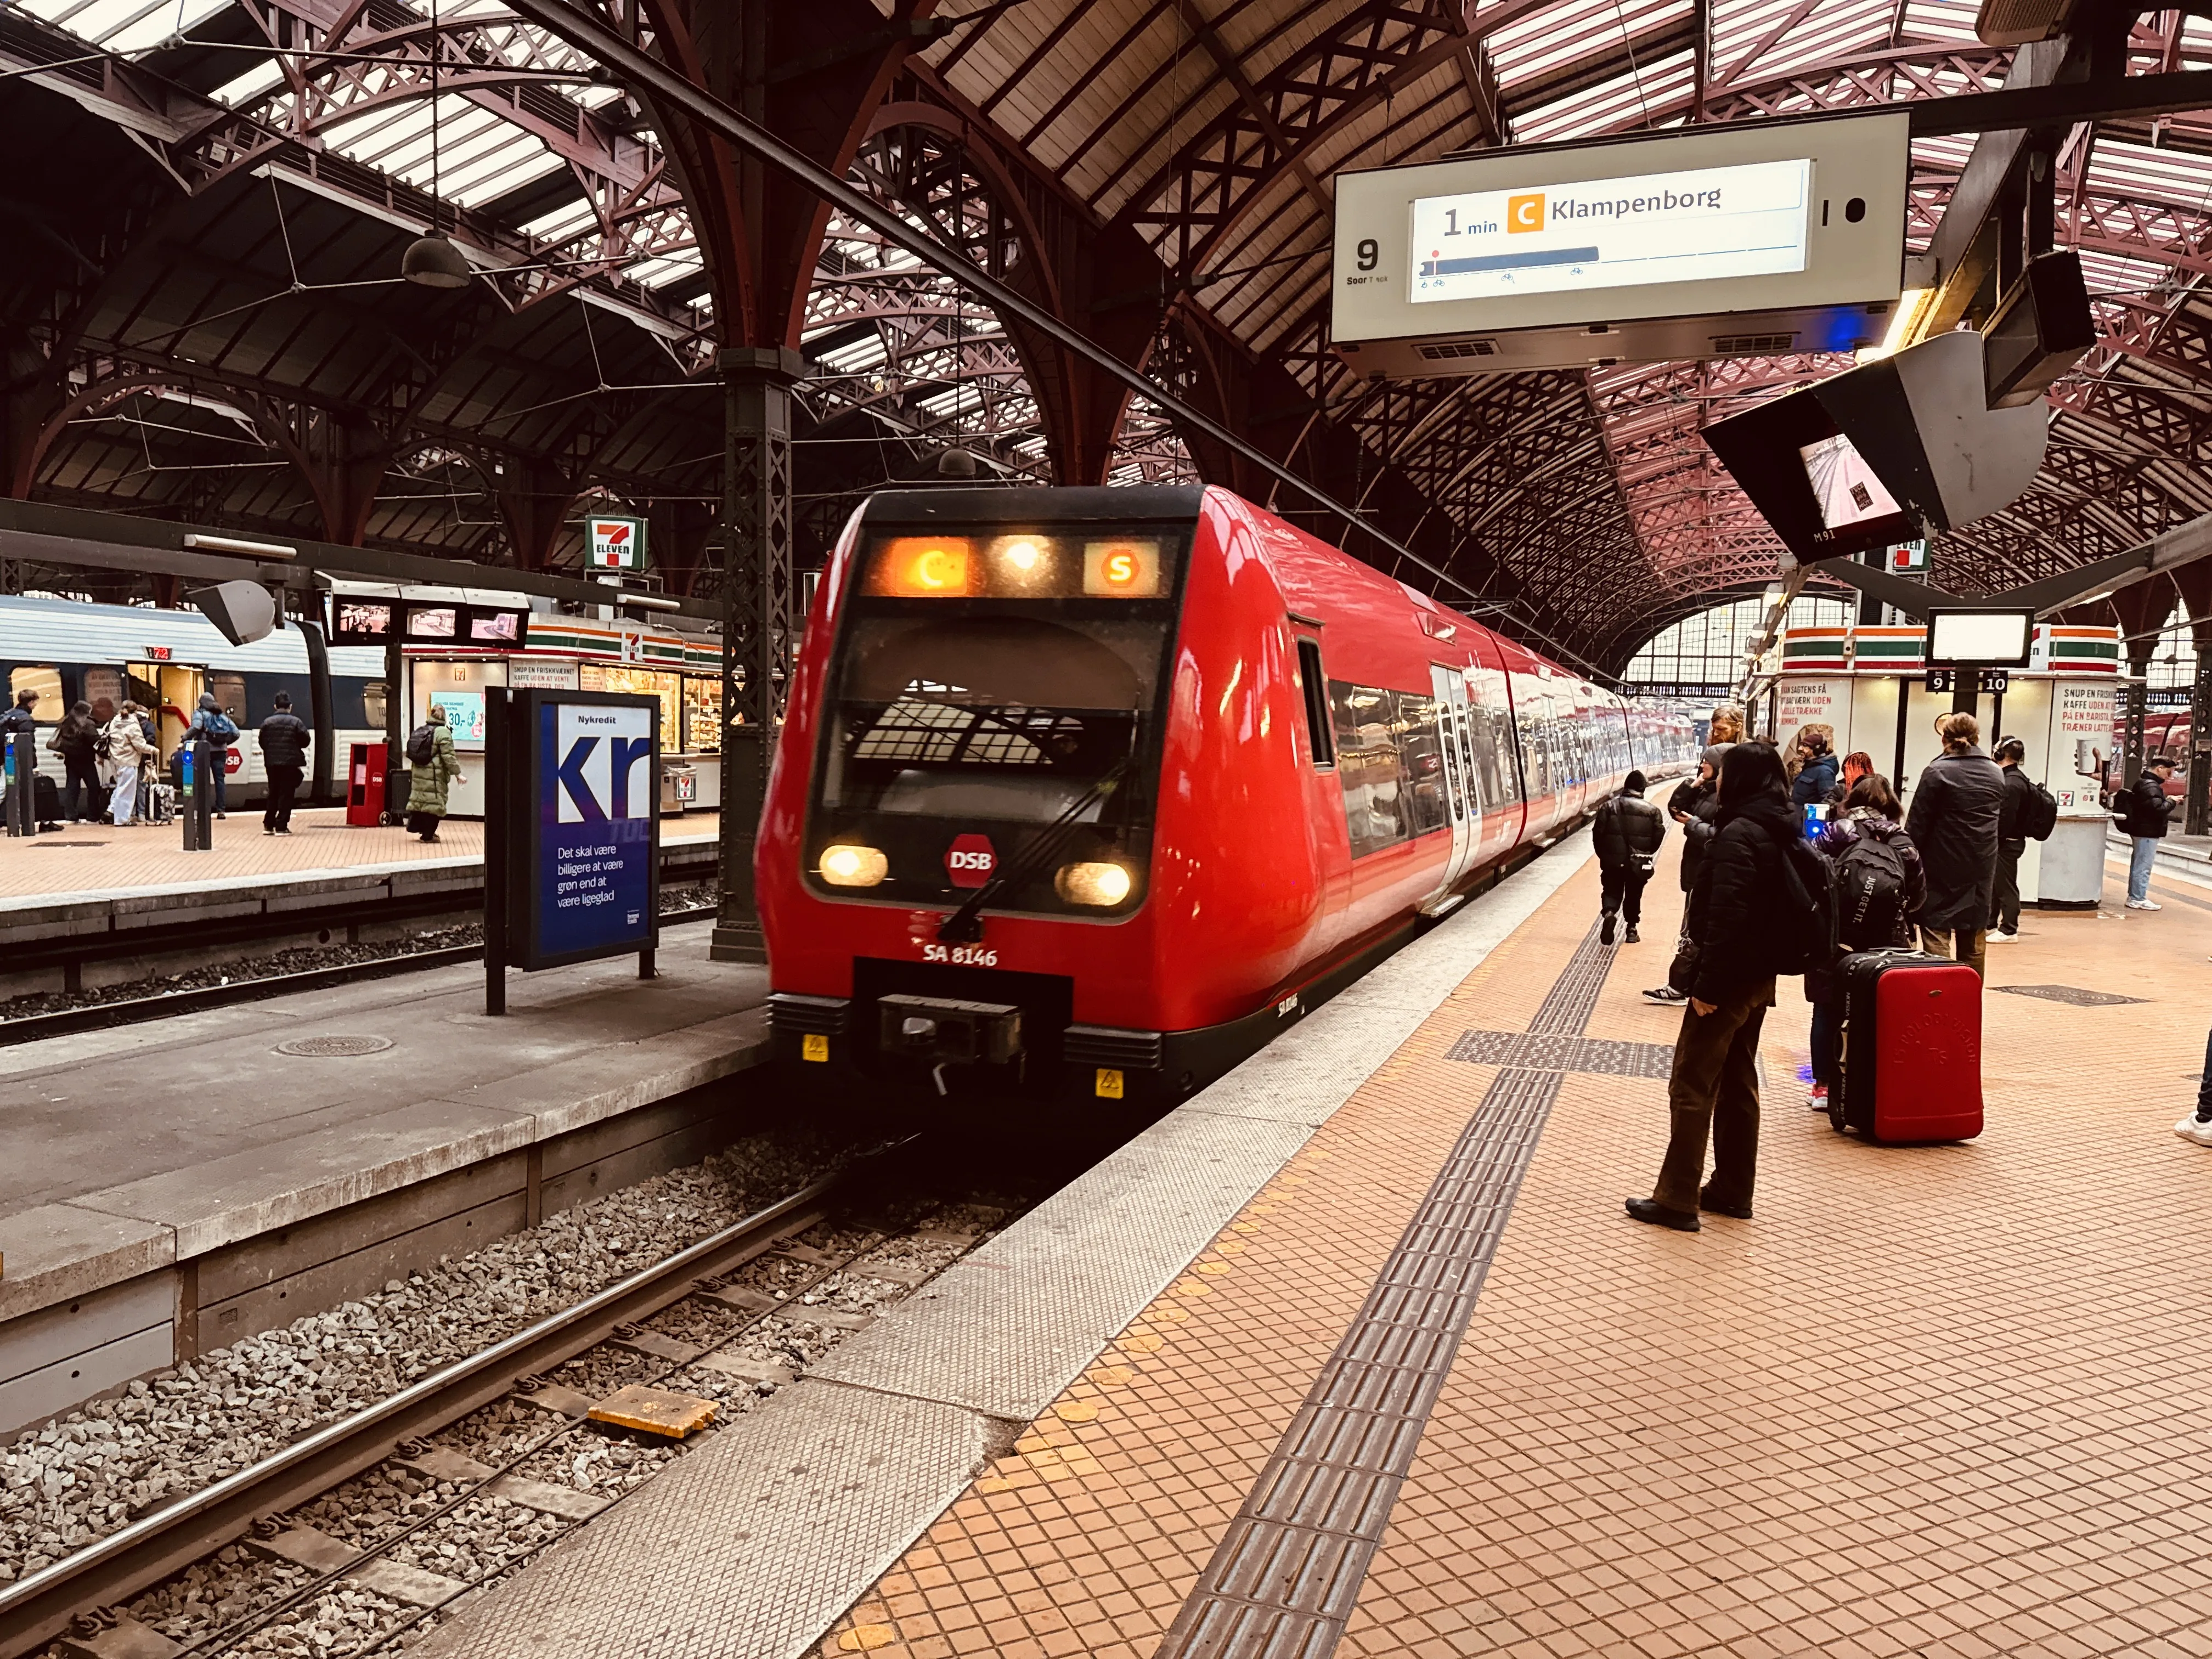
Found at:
(614, 543)
(1758, 238)
(1747, 221)
(588, 871)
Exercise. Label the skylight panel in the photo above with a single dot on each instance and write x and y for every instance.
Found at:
(252, 87)
(668, 268)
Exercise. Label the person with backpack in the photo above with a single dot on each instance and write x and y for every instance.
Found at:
(127, 751)
(430, 755)
(1744, 917)
(2029, 812)
(1953, 822)
(77, 740)
(2144, 812)
(285, 739)
(220, 732)
(1627, 834)
(1881, 884)
(1694, 804)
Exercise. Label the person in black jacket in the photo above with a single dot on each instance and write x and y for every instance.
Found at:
(2145, 812)
(284, 740)
(1627, 834)
(77, 740)
(1714, 1089)
(1953, 822)
(20, 720)
(1694, 804)
(2012, 841)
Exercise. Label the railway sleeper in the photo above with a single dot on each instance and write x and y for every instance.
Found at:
(104, 1633)
(319, 1553)
(443, 1463)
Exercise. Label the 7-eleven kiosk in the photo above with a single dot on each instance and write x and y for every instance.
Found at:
(1869, 685)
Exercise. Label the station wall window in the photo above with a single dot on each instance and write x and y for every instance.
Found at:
(1707, 649)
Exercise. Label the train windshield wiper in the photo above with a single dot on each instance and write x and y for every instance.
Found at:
(965, 925)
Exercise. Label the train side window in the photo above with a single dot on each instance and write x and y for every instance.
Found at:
(1421, 764)
(1316, 687)
(1367, 767)
(230, 691)
(44, 680)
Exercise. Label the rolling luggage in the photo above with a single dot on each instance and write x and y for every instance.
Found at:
(1911, 1047)
(46, 802)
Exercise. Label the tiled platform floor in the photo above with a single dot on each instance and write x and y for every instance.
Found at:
(1941, 1400)
(99, 858)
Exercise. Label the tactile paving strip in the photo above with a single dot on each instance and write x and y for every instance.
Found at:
(1288, 1572)
(1548, 1052)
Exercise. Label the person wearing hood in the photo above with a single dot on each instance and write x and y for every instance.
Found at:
(1953, 819)
(1694, 804)
(210, 722)
(1626, 834)
(425, 791)
(1713, 1090)
(1816, 769)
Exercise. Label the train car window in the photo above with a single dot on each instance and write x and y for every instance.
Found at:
(44, 680)
(1421, 760)
(230, 691)
(1314, 685)
(1369, 767)
(103, 690)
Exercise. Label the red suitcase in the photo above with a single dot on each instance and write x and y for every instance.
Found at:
(1911, 1047)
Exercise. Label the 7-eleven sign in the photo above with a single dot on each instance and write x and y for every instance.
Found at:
(614, 543)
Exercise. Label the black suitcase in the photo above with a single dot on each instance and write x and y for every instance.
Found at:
(46, 801)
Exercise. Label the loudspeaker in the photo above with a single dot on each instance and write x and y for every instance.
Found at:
(1886, 453)
(2039, 330)
(243, 611)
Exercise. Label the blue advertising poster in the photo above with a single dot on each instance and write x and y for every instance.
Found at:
(594, 782)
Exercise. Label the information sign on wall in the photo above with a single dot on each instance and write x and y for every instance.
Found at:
(1908, 559)
(586, 864)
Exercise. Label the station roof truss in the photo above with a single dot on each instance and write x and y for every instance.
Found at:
(207, 322)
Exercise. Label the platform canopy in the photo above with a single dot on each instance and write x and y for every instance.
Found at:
(209, 200)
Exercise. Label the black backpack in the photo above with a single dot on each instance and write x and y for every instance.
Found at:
(1806, 931)
(422, 745)
(1869, 893)
(2038, 813)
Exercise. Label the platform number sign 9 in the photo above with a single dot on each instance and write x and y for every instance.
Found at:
(614, 543)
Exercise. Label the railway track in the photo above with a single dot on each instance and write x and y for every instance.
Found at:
(133, 1011)
(78, 1597)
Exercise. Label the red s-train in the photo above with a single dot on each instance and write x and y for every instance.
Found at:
(1086, 793)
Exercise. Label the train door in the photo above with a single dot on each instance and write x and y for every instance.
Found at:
(1465, 805)
(170, 692)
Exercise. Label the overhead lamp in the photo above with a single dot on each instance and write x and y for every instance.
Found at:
(435, 262)
(955, 464)
(649, 602)
(200, 542)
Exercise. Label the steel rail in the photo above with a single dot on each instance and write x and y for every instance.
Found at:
(38, 1607)
(589, 35)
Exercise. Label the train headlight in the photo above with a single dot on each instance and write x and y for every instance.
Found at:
(848, 866)
(1098, 885)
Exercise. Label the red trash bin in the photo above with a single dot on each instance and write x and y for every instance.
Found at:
(365, 774)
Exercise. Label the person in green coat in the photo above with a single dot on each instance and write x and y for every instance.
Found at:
(426, 792)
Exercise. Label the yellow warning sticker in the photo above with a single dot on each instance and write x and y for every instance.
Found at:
(1109, 1084)
(812, 1045)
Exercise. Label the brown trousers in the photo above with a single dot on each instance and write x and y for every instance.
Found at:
(1714, 1090)
(1968, 944)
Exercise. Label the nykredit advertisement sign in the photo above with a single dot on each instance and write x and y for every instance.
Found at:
(592, 872)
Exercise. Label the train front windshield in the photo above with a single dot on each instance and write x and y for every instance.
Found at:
(993, 713)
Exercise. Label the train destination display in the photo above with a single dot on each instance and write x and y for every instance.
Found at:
(1746, 220)
(1755, 238)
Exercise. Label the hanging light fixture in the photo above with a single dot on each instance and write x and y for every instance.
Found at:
(432, 260)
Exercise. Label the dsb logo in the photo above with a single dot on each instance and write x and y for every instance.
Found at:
(970, 860)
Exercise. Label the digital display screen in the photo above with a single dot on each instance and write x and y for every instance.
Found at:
(496, 628)
(1998, 639)
(1843, 484)
(433, 621)
(465, 714)
(1022, 565)
(1709, 222)
(367, 621)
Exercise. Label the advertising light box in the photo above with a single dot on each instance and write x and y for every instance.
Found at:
(1765, 238)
